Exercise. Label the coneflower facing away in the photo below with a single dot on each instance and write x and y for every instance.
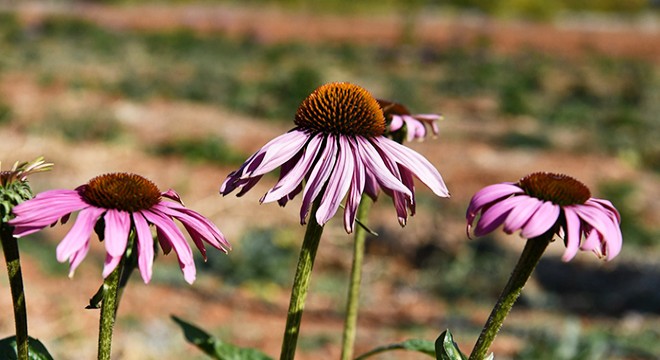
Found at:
(404, 125)
(545, 202)
(122, 203)
(337, 150)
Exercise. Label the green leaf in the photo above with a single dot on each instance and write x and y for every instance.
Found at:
(36, 350)
(214, 347)
(424, 346)
(446, 348)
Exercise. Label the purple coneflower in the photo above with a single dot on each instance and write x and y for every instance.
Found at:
(543, 202)
(415, 124)
(124, 203)
(338, 148)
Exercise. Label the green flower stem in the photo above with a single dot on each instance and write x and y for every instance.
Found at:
(301, 285)
(13, 260)
(353, 302)
(113, 286)
(529, 258)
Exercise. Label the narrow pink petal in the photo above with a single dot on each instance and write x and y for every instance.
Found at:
(494, 216)
(487, 195)
(355, 192)
(607, 205)
(338, 183)
(415, 162)
(573, 234)
(117, 227)
(175, 237)
(79, 234)
(604, 224)
(542, 220)
(319, 176)
(203, 228)
(377, 169)
(522, 208)
(77, 258)
(278, 151)
(592, 242)
(44, 210)
(296, 175)
(145, 246)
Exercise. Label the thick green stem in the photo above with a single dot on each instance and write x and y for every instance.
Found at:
(108, 312)
(353, 302)
(13, 260)
(113, 287)
(301, 285)
(529, 258)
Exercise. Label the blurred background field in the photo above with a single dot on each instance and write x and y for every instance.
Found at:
(183, 91)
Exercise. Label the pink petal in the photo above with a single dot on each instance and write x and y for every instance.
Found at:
(175, 237)
(338, 183)
(573, 234)
(203, 228)
(541, 221)
(605, 225)
(397, 123)
(77, 258)
(493, 217)
(278, 151)
(416, 163)
(377, 169)
(110, 264)
(78, 236)
(319, 176)
(145, 242)
(355, 192)
(173, 195)
(43, 210)
(522, 209)
(487, 195)
(117, 227)
(296, 175)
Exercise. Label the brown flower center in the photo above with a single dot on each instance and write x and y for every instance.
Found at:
(341, 108)
(121, 191)
(558, 188)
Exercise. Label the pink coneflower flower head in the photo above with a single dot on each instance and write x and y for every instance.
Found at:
(115, 205)
(403, 124)
(338, 150)
(544, 202)
(14, 188)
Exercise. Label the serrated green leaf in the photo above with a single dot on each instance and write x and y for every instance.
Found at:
(36, 350)
(215, 347)
(446, 348)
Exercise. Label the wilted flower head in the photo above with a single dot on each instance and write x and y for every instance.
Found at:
(14, 188)
(403, 124)
(545, 202)
(114, 205)
(339, 150)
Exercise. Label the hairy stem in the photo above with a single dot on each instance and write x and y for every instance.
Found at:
(301, 285)
(528, 260)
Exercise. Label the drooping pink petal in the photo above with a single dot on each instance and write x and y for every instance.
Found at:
(173, 195)
(541, 221)
(488, 195)
(43, 210)
(278, 151)
(416, 163)
(117, 227)
(296, 175)
(607, 205)
(77, 258)
(79, 234)
(145, 246)
(175, 237)
(377, 169)
(493, 217)
(319, 175)
(355, 192)
(573, 234)
(397, 123)
(192, 220)
(522, 208)
(338, 183)
(110, 264)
